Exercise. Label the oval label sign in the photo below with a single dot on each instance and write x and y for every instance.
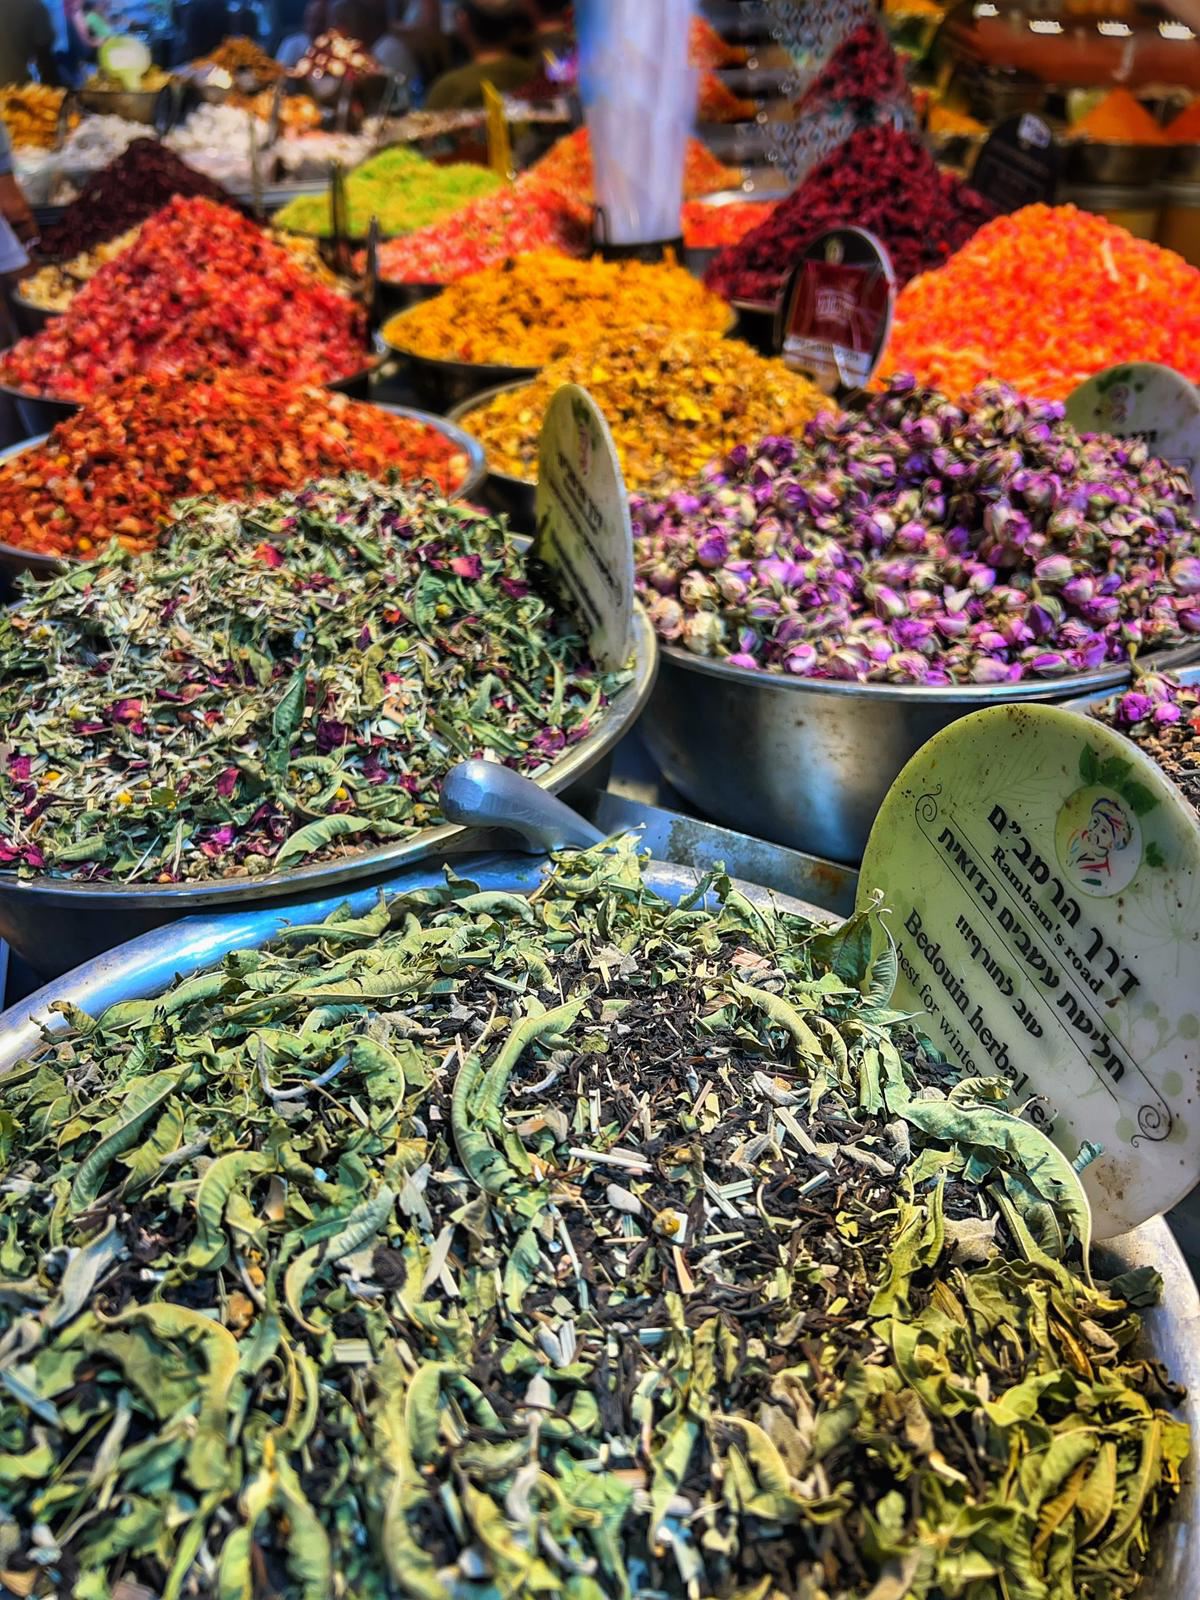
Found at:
(1044, 883)
(1142, 400)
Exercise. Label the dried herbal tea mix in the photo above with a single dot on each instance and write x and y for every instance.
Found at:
(1162, 715)
(276, 684)
(576, 1245)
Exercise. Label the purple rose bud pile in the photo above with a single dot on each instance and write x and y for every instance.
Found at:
(1162, 716)
(924, 542)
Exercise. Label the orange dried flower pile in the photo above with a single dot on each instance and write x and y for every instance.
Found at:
(1043, 299)
(568, 164)
(114, 469)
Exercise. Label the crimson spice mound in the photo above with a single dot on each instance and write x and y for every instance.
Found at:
(924, 542)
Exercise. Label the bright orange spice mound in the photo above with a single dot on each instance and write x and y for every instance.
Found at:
(1119, 119)
(1043, 299)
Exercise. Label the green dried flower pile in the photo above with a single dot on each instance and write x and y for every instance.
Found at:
(279, 684)
(580, 1245)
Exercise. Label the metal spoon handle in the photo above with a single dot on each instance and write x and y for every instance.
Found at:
(483, 794)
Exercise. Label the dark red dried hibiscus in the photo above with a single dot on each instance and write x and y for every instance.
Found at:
(880, 179)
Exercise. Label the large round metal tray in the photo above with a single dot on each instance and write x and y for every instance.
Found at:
(29, 319)
(441, 385)
(145, 966)
(806, 762)
(14, 560)
(54, 924)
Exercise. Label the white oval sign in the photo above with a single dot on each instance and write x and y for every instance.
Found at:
(1044, 882)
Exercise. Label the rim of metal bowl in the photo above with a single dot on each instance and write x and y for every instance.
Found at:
(617, 720)
(1074, 685)
(458, 414)
(466, 443)
(29, 305)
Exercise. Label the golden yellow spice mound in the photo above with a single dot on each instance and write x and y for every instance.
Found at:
(674, 401)
(542, 306)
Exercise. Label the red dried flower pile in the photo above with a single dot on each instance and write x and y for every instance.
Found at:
(200, 290)
(880, 179)
(115, 469)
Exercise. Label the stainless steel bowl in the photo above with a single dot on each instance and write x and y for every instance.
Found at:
(135, 105)
(55, 924)
(395, 297)
(1184, 162)
(443, 385)
(509, 496)
(145, 966)
(38, 413)
(29, 319)
(1099, 161)
(806, 762)
(14, 560)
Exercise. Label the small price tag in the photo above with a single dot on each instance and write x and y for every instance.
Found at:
(499, 144)
(1142, 400)
(583, 530)
(1043, 877)
(836, 313)
(1018, 164)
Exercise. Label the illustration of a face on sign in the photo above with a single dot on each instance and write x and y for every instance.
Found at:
(1098, 842)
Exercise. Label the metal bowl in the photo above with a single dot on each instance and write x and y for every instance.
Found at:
(444, 385)
(357, 384)
(38, 413)
(135, 105)
(14, 560)
(1184, 162)
(502, 492)
(806, 762)
(144, 967)
(29, 319)
(55, 924)
(394, 297)
(1099, 161)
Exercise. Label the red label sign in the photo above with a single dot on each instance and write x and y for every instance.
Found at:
(838, 310)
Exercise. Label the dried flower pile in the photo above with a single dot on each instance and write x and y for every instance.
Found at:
(924, 542)
(569, 165)
(116, 468)
(672, 400)
(277, 685)
(335, 54)
(138, 183)
(1119, 118)
(582, 1246)
(716, 102)
(200, 290)
(517, 218)
(1043, 299)
(708, 227)
(707, 48)
(880, 179)
(399, 187)
(540, 307)
(1162, 715)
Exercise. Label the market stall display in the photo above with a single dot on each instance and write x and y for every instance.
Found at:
(215, 140)
(716, 102)
(568, 163)
(880, 179)
(138, 182)
(626, 1260)
(529, 214)
(709, 48)
(1043, 299)
(31, 114)
(381, 634)
(542, 306)
(673, 401)
(400, 188)
(923, 542)
(115, 469)
(201, 288)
